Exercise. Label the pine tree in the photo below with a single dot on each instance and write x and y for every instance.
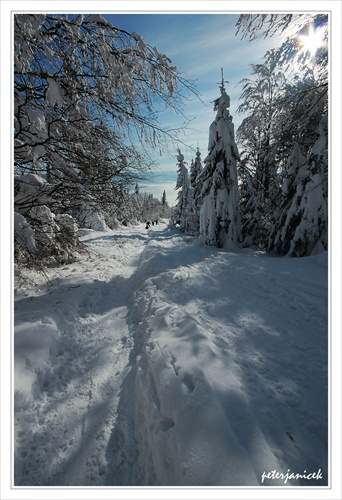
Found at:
(299, 224)
(219, 212)
(252, 226)
(284, 199)
(184, 209)
(260, 152)
(302, 219)
(196, 168)
(164, 202)
(195, 171)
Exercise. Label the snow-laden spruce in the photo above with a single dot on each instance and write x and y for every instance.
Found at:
(301, 222)
(195, 171)
(184, 212)
(219, 197)
(196, 168)
(283, 173)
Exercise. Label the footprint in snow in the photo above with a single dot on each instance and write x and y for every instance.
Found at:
(188, 383)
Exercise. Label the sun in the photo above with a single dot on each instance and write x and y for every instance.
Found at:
(312, 41)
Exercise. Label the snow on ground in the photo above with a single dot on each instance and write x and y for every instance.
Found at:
(156, 360)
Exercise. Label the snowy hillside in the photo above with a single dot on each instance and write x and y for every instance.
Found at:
(156, 360)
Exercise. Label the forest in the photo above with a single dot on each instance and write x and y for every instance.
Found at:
(158, 345)
(86, 129)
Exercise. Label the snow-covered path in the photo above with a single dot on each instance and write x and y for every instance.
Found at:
(156, 360)
(73, 344)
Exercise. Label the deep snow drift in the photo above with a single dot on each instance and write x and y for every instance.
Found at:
(156, 360)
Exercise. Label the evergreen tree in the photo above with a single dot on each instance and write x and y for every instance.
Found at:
(284, 174)
(219, 199)
(260, 152)
(184, 209)
(251, 213)
(196, 169)
(164, 202)
(301, 223)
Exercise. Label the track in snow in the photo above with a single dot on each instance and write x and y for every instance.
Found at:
(69, 424)
(154, 338)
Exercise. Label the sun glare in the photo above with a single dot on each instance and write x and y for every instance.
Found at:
(313, 41)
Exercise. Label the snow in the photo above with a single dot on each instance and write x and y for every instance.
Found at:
(24, 231)
(92, 218)
(54, 94)
(96, 18)
(220, 223)
(155, 360)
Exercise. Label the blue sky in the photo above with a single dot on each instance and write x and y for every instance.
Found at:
(199, 45)
(198, 41)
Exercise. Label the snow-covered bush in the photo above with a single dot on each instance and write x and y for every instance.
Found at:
(67, 241)
(30, 190)
(90, 216)
(46, 240)
(40, 236)
(24, 241)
